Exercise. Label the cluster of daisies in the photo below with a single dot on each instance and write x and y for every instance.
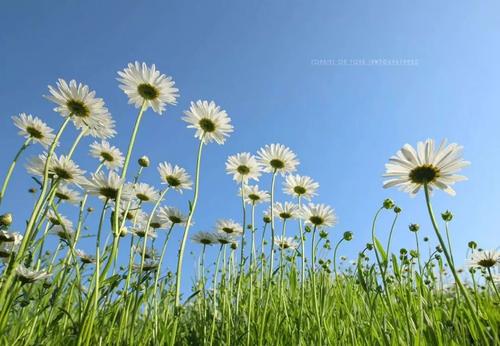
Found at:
(427, 167)
(275, 159)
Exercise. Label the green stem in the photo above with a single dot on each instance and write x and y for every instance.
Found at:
(452, 266)
(11, 168)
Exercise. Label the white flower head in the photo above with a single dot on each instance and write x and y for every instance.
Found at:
(243, 167)
(149, 253)
(224, 238)
(204, 238)
(484, 259)
(277, 158)
(84, 257)
(285, 243)
(9, 243)
(66, 169)
(106, 186)
(300, 186)
(174, 176)
(318, 215)
(64, 193)
(34, 128)
(109, 155)
(286, 211)
(229, 227)
(58, 219)
(144, 192)
(28, 276)
(64, 233)
(141, 230)
(411, 169)
(147, 85)
(36, 165)
(253, 195)
(157, 221)
(210, 122)
(77, 101)
(172, 215)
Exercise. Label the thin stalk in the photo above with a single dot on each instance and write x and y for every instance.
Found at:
(11, 168)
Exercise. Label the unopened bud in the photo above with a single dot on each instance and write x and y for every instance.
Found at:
(388, 203)
(414, 227)
(348, 236)
(5, 219)
(144, 161)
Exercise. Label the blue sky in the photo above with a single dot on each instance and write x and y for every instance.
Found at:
(258, 61)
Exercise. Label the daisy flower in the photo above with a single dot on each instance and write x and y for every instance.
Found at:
(300, 186)
(144, 192)
(77, 101)
(28, 276)
(277, 158)
(411, 169)
(109, 155)
(132, 208)
(103, 129)
(172, 215)
(210, 122)
(9, 243)
(66, 169)
(318, 215)
(141, 229)
(32, 127)
(174, 176)
(229, 227)
(84, 257)
(64, 193)
(266, 217)
(147, 266)
(253, 195)
(484, 259)
(243, 167)
(149, 253)
(204, 238)
(286, 211)
(157, 221)
(106, 186)
(56, 219)
(284, 243)
(10, 237)
(145, 85)
(224, 238)
(64, 233)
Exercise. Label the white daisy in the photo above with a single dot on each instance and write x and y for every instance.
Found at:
(64, 233)
(109, 155)
(106, 186)
(9, 237)
(204, 238)
(32, 127)
(84, 257)
(64, 193)
(9, 243)
(319, 215)
(58, 219)
(66, 169)
(484, 259)
(157, 221)
(28, 276)
(277, 158)
(145, 84)
(253, 195)
(266, 217)
(79, 102)
(229, 227)
(141, 229)
(284, 243)
(300, 186)
(224, 238)
(146, 267)
(149, 253)
(410, 169)
(210, 122)
(172, 215)
(175, 177)
(286, 211)
(132, 208)
(243, 166)
(144, 192)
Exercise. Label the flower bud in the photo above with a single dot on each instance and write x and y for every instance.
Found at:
(144, 161)
(32, 190)
(323, 234)
(369, 246)
(447, 216)
(414, 227)
(472, 245)
(348, 236)
(388, 203)
(426, 239)
(6, 219)
(397, 209)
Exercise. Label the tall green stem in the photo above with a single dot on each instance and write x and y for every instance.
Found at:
(11, 168)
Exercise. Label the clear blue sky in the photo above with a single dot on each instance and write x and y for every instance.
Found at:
(256, 59)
